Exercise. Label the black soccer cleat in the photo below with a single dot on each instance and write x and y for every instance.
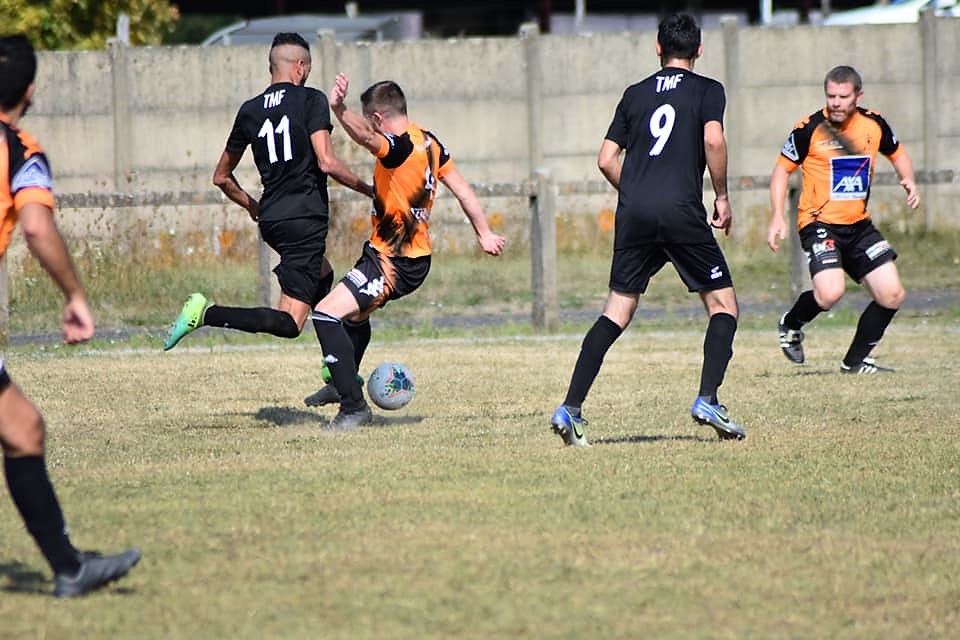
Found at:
(95, 571)
(791, 342)
(327, 394)
(868, 366)
(350, 420)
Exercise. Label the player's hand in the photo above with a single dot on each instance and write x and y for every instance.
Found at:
(913, 196)
(338, 94)
(77, 320)
(777, 229)
(254, 210)
(492, 243)
(722, 217)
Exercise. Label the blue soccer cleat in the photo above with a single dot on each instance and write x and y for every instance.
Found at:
(569, 427)
(716, 416)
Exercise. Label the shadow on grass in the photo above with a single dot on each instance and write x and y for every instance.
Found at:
(644, 439)
(22, 578)
(287, 417)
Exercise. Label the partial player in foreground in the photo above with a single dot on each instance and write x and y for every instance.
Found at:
(837, 148)
(26, 194)
(395, 261)
(671, 126)
(288, 128)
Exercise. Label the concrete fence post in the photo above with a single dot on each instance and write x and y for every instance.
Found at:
(799, 274)
(734, 128)
(122, 128)
(543, 203)
(543, 252)
(932, 109)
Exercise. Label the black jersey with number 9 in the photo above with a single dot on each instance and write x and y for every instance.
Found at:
(660, 122)
(277, 125)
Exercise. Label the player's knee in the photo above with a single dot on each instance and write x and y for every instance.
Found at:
(27, 437)
(892, 299)
(826, 298)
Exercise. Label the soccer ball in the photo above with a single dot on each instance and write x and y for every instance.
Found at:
(390, 386)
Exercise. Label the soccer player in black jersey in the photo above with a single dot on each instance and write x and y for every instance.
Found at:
(26, 195)
(288, 127)
(671, 127)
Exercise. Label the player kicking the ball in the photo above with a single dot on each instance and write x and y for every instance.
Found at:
(395, 261)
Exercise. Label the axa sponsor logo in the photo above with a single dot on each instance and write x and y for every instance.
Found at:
(849, 177)
(849, 184)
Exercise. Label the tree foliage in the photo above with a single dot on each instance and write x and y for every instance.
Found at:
(86, 24)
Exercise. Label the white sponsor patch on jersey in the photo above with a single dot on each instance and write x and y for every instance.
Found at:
(790, 149)
(33, 173)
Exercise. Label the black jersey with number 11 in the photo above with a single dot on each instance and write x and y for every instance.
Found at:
(660, 122)
(277, 125)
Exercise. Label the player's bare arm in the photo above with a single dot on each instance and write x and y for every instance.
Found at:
(45, 242)
(715, 147)
(357, 127)
(490, 242)
(224, 179)
(331, 165)
(904, 168)
(609, 162)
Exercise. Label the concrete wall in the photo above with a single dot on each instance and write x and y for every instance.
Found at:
(155, 119)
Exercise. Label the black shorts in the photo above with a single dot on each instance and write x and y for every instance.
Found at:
(856, 248)
(702, 267)
(4, 376)
(375, 278)
(301, 243)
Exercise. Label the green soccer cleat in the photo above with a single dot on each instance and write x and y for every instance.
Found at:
(191, 317)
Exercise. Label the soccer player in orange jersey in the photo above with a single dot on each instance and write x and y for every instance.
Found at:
(837, 149)
(410, 161)
(26, 195)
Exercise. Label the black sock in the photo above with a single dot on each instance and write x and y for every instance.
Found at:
(873, 322)
(360, 337)
(339, 357)
(596, 343)
(34, 497)
(803, 311)
(717, 351)
(253, 320)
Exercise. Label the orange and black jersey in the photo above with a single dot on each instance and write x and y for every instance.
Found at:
(838, 164)
(24, 178)
(404, 187)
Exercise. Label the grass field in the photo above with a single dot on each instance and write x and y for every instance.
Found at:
(463, 516)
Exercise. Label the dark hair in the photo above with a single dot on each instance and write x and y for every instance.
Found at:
(289, 38)
(384, 96)
(843, 74)
(18, 68)
(679, 37)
